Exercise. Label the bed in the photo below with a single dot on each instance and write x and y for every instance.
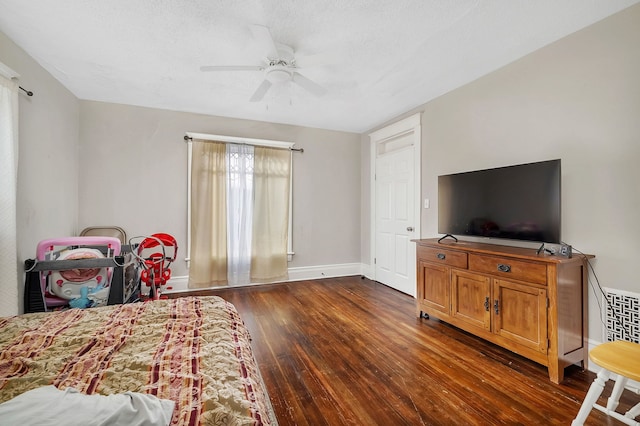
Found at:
(194, 351)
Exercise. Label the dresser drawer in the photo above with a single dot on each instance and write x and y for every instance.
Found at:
(443, 256)
(509, 268)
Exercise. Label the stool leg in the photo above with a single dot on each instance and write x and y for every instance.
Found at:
(591, 398)
(612, 402)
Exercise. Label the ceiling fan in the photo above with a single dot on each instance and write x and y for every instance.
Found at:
(278, 66)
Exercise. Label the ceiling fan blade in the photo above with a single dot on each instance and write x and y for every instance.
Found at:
(309, 85)
(260, 91)
(263, 36)
(231, 68)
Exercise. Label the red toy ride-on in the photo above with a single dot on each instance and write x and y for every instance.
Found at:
(155, 253)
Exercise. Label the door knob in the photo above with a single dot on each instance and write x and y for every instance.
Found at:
(410, 228)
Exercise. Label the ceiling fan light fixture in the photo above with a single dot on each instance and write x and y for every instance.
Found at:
(278, 74)
(279, 67)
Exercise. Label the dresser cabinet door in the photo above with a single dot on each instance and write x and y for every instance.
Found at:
(520, 314)
(471, 299)
(435, 291)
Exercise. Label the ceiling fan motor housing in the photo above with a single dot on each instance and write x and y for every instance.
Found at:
(278, 74)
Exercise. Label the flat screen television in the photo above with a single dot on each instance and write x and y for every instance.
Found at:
(520, 202)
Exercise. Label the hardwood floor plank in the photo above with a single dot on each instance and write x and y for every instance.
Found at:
(350, 351)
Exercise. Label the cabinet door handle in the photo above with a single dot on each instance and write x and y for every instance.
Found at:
(486, 304)
(495, 306)
(504, 268)
(441, 256)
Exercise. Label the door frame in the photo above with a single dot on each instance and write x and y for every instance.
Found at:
(410, 125)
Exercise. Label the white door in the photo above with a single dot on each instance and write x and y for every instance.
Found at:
(395, 203)
(395, 222)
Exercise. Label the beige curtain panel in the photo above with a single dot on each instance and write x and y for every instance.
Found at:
(272, 171)
(208, 215)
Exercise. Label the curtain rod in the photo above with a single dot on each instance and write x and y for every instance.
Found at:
(9, 74)
(188, 138)
(28, 92)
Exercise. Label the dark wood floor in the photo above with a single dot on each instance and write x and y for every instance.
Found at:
(350, 351)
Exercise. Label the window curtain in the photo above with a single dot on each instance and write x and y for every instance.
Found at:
(9, 177)
(239, 212)
(208, 215)
(272, 172)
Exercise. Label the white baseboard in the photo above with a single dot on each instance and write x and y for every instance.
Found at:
(324, 271)
(302, 273)
(587, 363)
(367, 270)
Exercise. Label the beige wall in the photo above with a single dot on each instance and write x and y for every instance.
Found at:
(578, 100)
(47, 192)
(133, 168)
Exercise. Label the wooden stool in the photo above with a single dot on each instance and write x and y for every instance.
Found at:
(619, 357)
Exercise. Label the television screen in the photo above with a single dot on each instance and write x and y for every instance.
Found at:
(520, 202)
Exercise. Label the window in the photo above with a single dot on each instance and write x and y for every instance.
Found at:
(239, 210)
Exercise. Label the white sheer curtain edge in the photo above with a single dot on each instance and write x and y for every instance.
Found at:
(9, 297)
(239, 211)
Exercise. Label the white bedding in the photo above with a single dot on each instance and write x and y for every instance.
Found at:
(49, 406)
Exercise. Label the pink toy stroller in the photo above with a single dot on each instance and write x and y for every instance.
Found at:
(60, 287)
(156, 253)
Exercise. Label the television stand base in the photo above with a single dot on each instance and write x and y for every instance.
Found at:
(546, 250)
(448, 235)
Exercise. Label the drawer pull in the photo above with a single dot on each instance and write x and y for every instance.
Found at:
(441, 256)
(504, 268)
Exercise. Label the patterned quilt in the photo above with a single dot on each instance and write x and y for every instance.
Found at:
(194, 351)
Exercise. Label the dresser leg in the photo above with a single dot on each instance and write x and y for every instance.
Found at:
(556, 372)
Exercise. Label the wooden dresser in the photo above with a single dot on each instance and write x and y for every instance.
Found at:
(532, 304)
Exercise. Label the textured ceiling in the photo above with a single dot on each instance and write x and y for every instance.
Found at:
(377, 58)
